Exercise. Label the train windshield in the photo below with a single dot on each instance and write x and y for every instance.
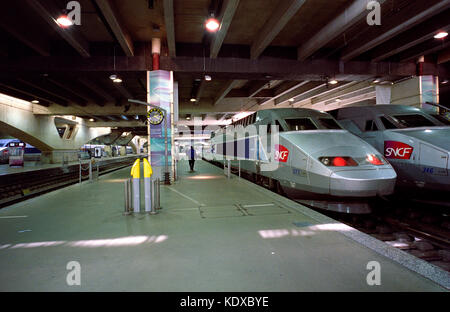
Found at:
(329, 123)
(300, 124)
(413, 121)
(442, 119)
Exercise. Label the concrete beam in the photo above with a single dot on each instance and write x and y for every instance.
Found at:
(201, 87)
(73, 38)
(278, 20)
(444, 56)
(225, 89)
(121, 34)
(412, 15)
(256, 87)
(282, 90)
(306, 91)
(169, 21)
(34, 84)
(96, 89)
(228, 9)
(351, 15)
(221, 68)
(110, 109)
(413, 55)
(412, 37)
(17, 118)
(119, 124)
(31, 37)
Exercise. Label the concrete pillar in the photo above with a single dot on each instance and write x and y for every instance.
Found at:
(17, 119)
(383, 93)
(417, 91)
(108, 150)
(123, 151)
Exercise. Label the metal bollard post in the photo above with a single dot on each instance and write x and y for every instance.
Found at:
(80, 172)
(127, 197)
(130, 191)
(148, 195)
(90, 171)
(135, 173)
(98, 172)
(157, 194)
(239, 168)
(229, 169)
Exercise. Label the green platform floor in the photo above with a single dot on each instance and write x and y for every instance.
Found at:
(213, 234)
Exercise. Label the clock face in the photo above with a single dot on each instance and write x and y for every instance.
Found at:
(155, 116)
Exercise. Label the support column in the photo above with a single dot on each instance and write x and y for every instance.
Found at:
(160, 93)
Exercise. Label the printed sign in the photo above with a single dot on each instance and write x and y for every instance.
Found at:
(281, 153)
(397, 150)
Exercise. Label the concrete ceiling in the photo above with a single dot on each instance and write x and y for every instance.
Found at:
(266, 53)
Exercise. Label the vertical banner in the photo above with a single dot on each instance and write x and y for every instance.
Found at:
(161, 94)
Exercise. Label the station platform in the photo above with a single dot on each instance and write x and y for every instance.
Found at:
(212, 234)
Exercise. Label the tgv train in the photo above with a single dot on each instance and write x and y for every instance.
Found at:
(416, 143)
(312, 160)
(30, 153)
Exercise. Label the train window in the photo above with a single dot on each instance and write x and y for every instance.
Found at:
(415, 120)
(329, 123)
(442, 119)
(370, 126)
(387, 124)
(280, 128)
(300, 124)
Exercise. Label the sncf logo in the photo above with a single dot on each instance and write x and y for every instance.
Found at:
(281, 153)
(397, 150)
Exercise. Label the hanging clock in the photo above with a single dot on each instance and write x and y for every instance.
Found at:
(155, 116)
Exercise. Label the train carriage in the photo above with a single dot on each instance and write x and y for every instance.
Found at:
(308, 156)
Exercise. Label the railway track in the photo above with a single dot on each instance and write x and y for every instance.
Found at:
(422, 230)
(21, 186)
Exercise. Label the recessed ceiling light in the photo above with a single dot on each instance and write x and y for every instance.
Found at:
(333, 81)
(207, 77)
(188, 118)
(212, 24)
(441, 35)
(291, 100)
(35, 102)
(444, 81)
(117, 80)
(92, 119)
(63, 21)
(338, 100)
(112, 77)
(193, 100)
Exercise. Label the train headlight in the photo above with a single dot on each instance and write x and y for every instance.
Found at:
(338, 161)
(374, 160)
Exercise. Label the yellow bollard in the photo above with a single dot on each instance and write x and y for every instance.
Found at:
(136, 169)
(147, 169)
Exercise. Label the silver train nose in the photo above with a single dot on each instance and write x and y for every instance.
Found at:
(362, 183)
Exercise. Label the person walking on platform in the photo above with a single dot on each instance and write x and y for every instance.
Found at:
(192, 155)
